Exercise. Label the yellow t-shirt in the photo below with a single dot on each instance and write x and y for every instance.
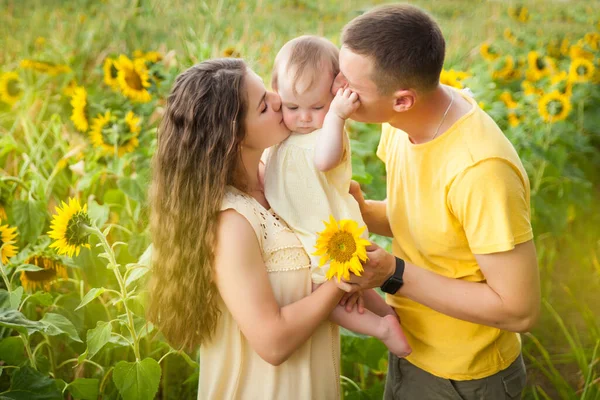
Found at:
(464, 193)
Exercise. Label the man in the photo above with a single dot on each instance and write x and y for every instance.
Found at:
(463, 276)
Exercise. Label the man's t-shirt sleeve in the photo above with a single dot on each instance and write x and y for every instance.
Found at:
(491, 202)
(382, 147)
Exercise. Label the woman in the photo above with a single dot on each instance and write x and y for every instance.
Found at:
(228, 274)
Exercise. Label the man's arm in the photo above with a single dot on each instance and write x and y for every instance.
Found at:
(508, 299)
(373, 212)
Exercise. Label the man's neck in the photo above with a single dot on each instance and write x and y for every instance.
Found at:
(432, 115)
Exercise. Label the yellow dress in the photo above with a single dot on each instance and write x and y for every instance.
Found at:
(304, 197)
(230, 368)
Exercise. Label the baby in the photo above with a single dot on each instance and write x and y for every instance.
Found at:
(307, 177)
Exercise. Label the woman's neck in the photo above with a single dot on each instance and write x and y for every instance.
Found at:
(250, 163)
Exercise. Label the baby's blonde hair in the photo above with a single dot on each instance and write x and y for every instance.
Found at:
(307, 56)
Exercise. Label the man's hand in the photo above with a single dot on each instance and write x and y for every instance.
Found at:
(351, 299)
(378, 268)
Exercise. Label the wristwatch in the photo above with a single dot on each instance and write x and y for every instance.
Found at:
(394, 282)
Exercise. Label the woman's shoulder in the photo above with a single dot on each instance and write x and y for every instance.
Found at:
(240, 202)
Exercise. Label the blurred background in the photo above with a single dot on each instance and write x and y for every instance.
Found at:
(82, 86)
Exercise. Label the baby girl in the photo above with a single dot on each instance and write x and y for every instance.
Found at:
(307, 177)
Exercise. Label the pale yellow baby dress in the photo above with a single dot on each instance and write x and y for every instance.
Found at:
(304, 196)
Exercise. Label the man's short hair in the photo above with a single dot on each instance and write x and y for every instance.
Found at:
(405, 43)
(307, 57)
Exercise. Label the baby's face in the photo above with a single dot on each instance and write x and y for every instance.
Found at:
(305, 112)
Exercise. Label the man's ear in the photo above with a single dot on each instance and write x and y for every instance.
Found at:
(404, 99)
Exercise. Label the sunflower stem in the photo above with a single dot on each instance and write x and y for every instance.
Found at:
(28, 350)
(5, 277)
(115, 268)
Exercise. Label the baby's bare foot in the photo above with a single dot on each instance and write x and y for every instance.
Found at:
(393, 337)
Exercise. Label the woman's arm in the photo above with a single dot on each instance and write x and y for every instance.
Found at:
(330, 144)
(274, 332)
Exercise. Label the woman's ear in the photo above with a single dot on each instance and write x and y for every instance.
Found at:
(404, 100)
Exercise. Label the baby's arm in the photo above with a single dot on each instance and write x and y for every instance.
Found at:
(330, 144)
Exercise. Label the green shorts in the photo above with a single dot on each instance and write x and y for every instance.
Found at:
(407, 382)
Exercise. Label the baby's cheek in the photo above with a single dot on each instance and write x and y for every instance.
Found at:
(288, 118)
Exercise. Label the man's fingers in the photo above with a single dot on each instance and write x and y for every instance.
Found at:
(372, 247)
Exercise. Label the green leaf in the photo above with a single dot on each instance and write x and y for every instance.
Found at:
(84, 388)
(12, 350)
(30, 217)
(28, 267)
(29, 384)
(57, 324)
(132, 188)
(17, 321)
(98, 213)
(15, 298)
(91, 295)
(98, 337)
(137, 380)
(136, 274)
(42, 298)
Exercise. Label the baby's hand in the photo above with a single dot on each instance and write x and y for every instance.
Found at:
(344, 103)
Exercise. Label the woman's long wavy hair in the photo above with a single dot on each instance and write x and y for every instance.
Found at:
(198, 154)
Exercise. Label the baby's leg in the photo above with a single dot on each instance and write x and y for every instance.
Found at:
(376, 303)
(385, 328)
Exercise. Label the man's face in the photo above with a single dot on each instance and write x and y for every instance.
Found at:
(355, 72)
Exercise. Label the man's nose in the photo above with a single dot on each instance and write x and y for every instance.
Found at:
(338, 83)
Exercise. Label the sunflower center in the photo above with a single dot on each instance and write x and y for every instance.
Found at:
(540, 63)
(555, 107)
(582, 70)
(76, 234)
(40, 276)
(133, 80)
(342, 247)
(13, 88)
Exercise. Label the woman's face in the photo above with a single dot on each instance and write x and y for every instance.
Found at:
(264, 120)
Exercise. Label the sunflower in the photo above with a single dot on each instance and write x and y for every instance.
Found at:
(539, 66)
(513, 120)
(7, 242)
(79, 104)
(508, 35)
(520, 13)
(151, 57)
(231, 52)
(10, 88)
(110, 73)
(341, 245)
(565, 47)
(45, 67)
(488, 52)
(52, 270)
(581, 70)
(561, 83)
(507, 99)
(508, 71)
(453, 78)
(529, 88)
(133, 78)
(554, 107)
(593, 40)
(105, 129)
(577, 51)
(69, 228)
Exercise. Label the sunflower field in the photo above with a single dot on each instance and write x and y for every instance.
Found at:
(82, 89)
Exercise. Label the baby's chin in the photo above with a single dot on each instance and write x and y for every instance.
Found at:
(303, 131)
